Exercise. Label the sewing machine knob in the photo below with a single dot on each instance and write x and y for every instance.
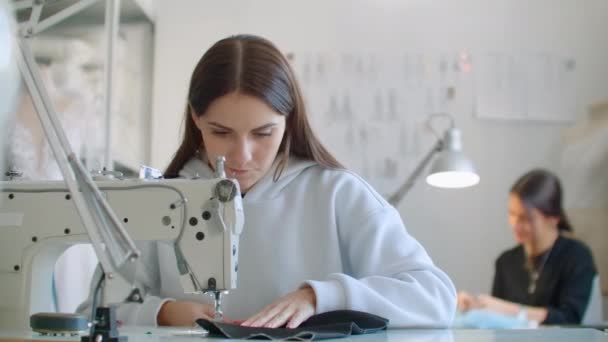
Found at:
(211, 284)
(225, 190)
(135, 296)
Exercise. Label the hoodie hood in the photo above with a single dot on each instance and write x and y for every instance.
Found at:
(265, 188)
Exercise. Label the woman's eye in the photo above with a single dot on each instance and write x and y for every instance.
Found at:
(220, 132)
(263, 134)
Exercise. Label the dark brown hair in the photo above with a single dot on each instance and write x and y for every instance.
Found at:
(252, 66)
(541, 190)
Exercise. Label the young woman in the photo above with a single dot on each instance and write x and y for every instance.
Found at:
(317, 237)
(548, 276)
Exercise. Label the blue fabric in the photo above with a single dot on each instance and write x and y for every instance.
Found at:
(485, 319)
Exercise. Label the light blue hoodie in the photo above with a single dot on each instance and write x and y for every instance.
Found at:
(326, 228)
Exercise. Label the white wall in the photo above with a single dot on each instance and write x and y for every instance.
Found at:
(463, 230)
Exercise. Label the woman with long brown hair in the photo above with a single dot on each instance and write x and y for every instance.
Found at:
(317, 237)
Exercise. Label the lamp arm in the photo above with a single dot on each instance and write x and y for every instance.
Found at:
(398, 195)
(99, 220)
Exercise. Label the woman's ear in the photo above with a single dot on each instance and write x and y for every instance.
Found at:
(197, 120)
(551, 220)
(554, 220)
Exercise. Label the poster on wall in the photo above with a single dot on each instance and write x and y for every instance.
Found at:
(370, 109)
(534, 87)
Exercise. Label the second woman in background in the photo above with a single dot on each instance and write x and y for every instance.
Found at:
(548, 276)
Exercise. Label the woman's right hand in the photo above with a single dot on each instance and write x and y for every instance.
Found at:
(183, 313)
(466, 301)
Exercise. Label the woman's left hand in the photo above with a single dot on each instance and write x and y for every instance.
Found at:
(497, 304)
(292, 309)
(467, 301)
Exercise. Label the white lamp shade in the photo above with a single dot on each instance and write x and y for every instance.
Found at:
(451, 168)
(452, 179)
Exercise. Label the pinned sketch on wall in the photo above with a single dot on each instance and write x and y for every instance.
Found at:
(369, 108)
(535, 86)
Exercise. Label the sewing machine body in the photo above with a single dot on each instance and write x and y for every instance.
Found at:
(38, 221)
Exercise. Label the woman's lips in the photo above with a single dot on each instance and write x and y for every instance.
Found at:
(236, 172)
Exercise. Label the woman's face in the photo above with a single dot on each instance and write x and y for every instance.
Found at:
(246, 131)
(519, 219)
(528, 225)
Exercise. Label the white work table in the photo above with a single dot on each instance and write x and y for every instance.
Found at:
(419, 335)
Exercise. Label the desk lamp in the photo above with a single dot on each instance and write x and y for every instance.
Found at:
(451, 168)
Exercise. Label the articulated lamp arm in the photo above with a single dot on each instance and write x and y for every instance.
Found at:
(110, 240)
(112, 244)
(398, 195)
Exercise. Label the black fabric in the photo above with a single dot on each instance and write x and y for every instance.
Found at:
(333, 324)
(564, 284)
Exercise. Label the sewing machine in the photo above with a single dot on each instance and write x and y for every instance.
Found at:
(200, 219)
(38, 221)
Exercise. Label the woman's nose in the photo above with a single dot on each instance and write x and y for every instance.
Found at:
(240, 153)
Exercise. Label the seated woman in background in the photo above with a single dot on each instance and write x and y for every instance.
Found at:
(548, 276)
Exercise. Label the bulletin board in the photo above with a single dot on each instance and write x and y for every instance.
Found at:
(370, 108)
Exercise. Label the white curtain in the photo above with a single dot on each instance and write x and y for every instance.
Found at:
(585, 178)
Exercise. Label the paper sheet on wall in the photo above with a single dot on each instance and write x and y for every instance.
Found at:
(538, 87)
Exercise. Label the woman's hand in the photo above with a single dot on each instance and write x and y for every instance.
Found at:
(292, 309)
(467, 302)
(487, 302)
(182, 313)
(498, 305)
